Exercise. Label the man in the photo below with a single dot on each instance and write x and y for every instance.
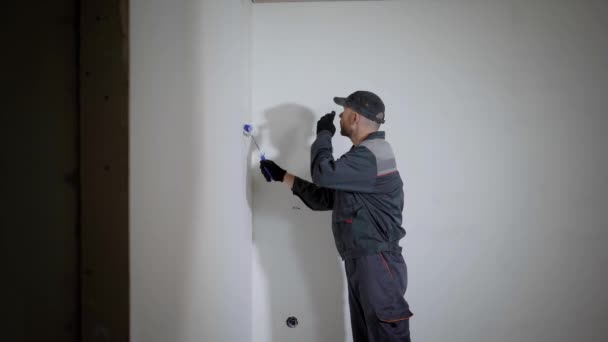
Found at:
(365, 192)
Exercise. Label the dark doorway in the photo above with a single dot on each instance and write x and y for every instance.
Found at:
(64, 209)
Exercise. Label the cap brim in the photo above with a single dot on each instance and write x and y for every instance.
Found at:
(340, 100)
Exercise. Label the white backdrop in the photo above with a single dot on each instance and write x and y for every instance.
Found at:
(190, 237)
(497, 112)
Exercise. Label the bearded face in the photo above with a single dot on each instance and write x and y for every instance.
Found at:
(346, 122)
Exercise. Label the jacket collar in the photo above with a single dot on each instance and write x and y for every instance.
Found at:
(376, 135)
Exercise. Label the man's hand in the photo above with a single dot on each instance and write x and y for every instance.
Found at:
(272, 171)
(326, 123)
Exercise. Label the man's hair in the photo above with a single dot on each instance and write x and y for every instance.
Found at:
(371, 124)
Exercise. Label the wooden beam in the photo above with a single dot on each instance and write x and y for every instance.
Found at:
(104, 104)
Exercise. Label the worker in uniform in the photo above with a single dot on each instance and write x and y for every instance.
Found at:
(364, 190)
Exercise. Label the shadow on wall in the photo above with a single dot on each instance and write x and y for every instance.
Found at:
(295, 245)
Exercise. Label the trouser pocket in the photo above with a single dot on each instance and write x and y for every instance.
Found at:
(378, 283)
(381, 282)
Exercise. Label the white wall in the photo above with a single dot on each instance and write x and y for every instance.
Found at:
(190, 216)
(497, 113)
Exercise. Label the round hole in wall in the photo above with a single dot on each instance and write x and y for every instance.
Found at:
(292, 322)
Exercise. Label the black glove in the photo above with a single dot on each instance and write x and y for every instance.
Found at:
(326, 123)
(272, 171)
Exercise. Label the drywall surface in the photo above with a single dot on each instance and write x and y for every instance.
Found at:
(190, 218)
(496, 111)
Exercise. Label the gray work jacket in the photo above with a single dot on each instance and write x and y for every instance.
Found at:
(364, 190)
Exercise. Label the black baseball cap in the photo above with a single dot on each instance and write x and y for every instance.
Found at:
(365, 103)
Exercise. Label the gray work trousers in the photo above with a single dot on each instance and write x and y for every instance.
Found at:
(376, 286)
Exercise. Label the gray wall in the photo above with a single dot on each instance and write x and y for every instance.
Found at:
(190, 234)
(497, 112)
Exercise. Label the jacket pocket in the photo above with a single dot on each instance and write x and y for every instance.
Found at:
(365, 232)
(342, 227)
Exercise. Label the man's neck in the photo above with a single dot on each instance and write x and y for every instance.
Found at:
(358, 138)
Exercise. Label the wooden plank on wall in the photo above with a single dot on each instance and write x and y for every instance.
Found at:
(104, 157)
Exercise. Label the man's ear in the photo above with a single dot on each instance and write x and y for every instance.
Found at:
(356, 117)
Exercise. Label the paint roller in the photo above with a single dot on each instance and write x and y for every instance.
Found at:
(248, 131)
